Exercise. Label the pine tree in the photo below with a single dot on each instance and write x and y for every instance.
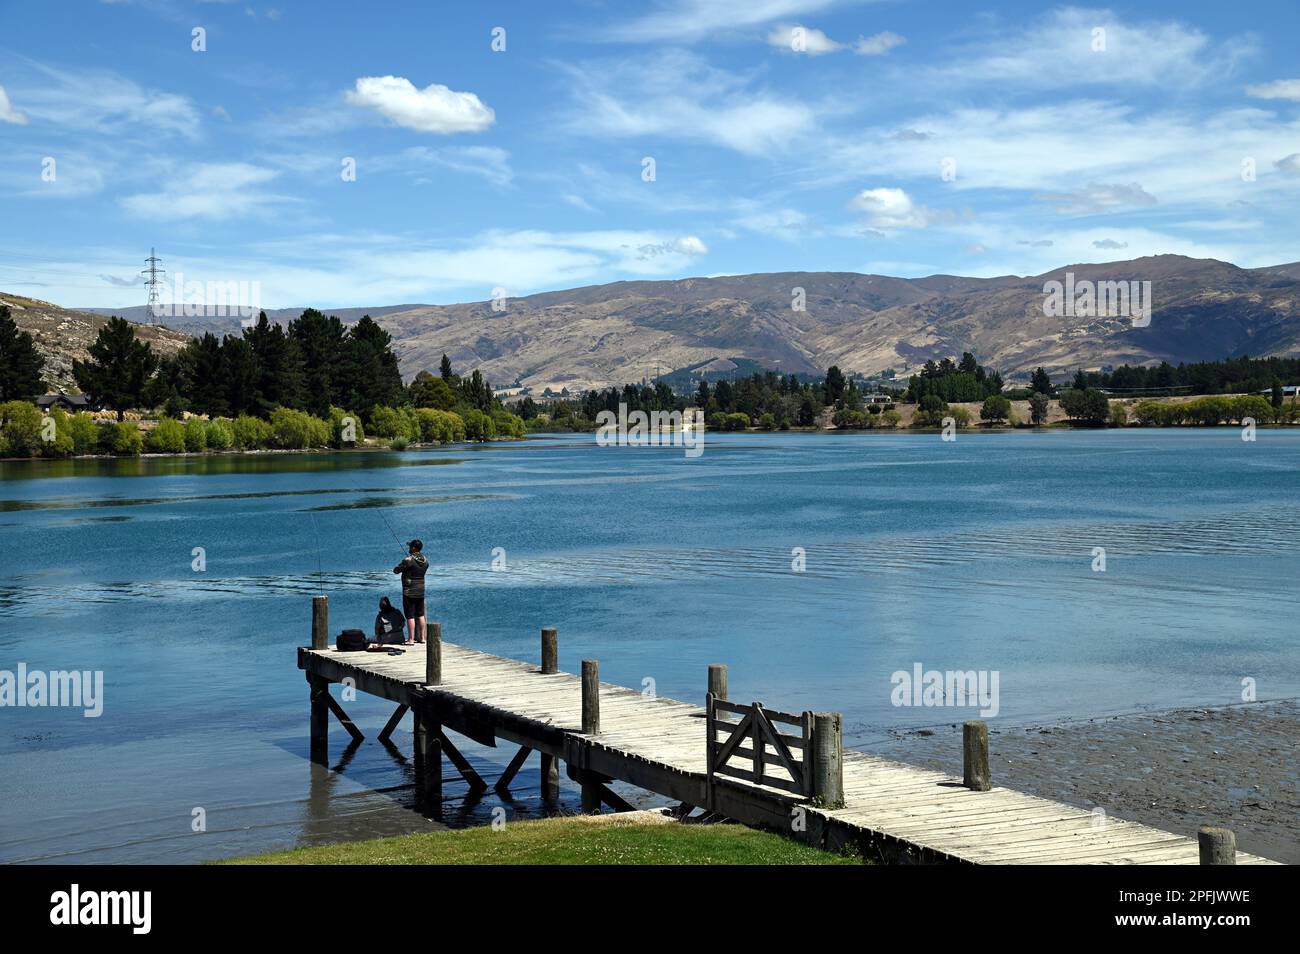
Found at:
(203, 376)
(444, 369)
(20, 362)
(118, 369)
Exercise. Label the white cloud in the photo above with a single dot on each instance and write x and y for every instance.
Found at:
(877, 44)
(1289, 164)
(8, 114)
(434, 109)
(888, 209)
(687, 245)
(1278, 89)
(678, 95)
(800, 39)
(789, 225)
(212, 191)
(688, 20)
(1177, 155)
(100, 101)
(1059, 50)
(1109, 244)
(487, 162)
(1099, 197)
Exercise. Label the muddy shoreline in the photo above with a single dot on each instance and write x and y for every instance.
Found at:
(1237, 766)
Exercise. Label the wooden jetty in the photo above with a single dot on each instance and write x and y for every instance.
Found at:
(784, 771)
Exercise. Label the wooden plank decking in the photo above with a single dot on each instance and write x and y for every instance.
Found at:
(896, 810)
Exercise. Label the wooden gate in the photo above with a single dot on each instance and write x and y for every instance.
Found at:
(775, 758)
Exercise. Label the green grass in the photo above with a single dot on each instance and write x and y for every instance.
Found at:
(566, 841)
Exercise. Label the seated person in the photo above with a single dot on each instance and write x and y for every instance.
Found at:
(390, 625)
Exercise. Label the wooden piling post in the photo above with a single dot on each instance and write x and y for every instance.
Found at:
(1218, 845)
(975, 756)
(550, 779)
(718, 680)
(320, 622)
(590, 696)
(433, 655)
(590, 726)
(320, 719)
(828, 759)
(550, 651)
(428, 758)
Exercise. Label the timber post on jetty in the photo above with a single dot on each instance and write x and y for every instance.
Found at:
(784, 771)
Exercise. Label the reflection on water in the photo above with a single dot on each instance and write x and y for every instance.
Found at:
(972, 555)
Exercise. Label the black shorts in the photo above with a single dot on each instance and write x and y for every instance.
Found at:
(412, 607)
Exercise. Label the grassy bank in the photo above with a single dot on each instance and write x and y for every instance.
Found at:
(637, 839)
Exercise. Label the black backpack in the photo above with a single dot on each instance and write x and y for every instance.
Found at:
(351, 641)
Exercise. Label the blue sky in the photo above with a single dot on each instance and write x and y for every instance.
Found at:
(903, 138)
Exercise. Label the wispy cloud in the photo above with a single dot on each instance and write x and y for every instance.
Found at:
(678, 95)
(1278, 89)
(689, 20)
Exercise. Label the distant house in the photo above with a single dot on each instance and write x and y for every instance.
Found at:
(69, 402)
(1288, 390)
(877, 398)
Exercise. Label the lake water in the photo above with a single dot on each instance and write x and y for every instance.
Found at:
(971, 555)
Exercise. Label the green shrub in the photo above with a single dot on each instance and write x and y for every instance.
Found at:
(1118, 415)
(399, 443)
(345, 427)
(478, 426)
(717, 421)
(20, 429)
(439, 427)
(767, 422)
(196, 435)
(250, 433)
(1085, 404)
(736, 421)
(297, 430)
(996, 408)
(221, 434)
(166, 437)
(849, 420)
(889, 418)
(507, 424)
(388, 422)
(124, 438)
(62, 445)
(1251, 405)
(85, 436)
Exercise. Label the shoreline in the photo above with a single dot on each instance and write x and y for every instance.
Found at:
(1231, 765)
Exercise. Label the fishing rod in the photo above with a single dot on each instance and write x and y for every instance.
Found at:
(390, 530)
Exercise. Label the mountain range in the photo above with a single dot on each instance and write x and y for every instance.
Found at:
(622, 332)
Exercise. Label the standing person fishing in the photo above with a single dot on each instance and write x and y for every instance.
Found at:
(413, 569)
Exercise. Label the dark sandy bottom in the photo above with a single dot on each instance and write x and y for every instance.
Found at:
(1237, 766)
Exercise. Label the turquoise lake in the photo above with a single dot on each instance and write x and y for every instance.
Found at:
(977, 554)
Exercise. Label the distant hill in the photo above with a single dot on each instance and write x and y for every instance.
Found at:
(622, 332)
(605, 334)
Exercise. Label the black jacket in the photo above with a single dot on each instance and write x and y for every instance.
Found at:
(390, 626)
(413, 569)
